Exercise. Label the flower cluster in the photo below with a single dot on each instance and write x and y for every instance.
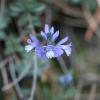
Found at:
(50, 50)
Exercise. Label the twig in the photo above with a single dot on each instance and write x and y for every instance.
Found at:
(13, 75)
(4, 62)
(3, 70)
(2, 7)
(62, 64)
(34, 78)
(79, 87)
(5, 81)
(5, 76)
(21, 76)
(35, 62)
(31, 25)
(73, 22)
(93, 23)
(67, 9)
(48, 15)
(93, 92)
(98, 1)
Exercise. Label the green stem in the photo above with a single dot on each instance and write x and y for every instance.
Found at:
(34, 78)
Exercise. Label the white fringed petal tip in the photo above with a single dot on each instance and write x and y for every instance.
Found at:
(67, 48)
(28, 48)
(50, 54)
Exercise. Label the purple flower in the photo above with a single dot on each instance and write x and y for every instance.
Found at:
(49, 34)
(32, 43)
(65, 78)
(49, 50)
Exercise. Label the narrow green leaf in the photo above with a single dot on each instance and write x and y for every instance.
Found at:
(4, 20)
(2, 35)
(15, 8)
(38, 7)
